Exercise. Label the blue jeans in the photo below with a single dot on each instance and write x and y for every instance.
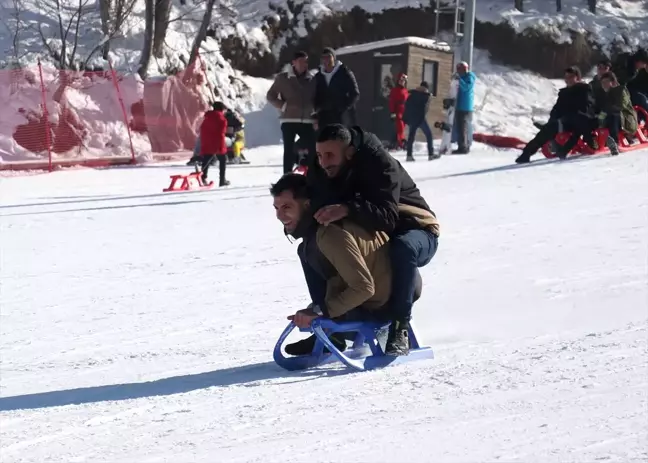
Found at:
(425, 127)
(409, 250)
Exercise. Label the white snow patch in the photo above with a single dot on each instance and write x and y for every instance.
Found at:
(138, 325)
(417, 41)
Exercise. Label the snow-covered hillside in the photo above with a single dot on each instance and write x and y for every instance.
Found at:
(622, 24)
(138, 325)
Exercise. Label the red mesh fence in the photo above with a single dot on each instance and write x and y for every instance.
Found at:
(55, 118)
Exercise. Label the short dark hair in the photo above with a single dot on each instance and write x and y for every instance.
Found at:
(424, 84)
(218, 106)
(335, 132)
(605, 62)
(328, 51)
(300, 54)
(295, 183)
(610, 76)
(573, 70)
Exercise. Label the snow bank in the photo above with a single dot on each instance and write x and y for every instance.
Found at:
(507, 100)
(617, 23)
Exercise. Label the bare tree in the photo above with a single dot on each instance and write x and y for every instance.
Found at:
(519, 5)
(558, 6)
(202, 30)
(591, 4)
(147, 48)
(12, 20)
(162, 17)
(114, 14)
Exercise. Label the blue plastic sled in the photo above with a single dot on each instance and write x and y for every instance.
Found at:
(367, 352)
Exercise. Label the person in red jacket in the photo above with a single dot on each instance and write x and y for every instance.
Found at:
(212, 142)
(397, 98)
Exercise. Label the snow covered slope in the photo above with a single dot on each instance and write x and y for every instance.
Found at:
(138, 326)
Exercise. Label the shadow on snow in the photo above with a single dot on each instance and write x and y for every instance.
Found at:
(249, 375)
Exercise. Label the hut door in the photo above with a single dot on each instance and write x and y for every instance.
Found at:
(385, 71)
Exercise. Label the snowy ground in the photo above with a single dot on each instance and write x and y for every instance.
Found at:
(138, 325)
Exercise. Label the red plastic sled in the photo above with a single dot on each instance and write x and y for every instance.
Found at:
(189, 182)
(601, 135)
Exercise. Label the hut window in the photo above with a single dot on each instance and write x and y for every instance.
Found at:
(431, 74)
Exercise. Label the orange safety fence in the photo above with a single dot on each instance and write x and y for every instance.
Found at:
(53, 118)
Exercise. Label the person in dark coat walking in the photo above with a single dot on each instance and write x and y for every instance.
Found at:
(336, 92)
(416, 109)
(573, 112)
(212, 142)
(356, 178)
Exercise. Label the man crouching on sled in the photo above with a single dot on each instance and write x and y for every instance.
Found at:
(347, 269)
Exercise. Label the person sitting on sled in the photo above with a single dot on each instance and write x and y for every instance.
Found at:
(212, 142)
(236, 135)
(347, 268)
(355, 178)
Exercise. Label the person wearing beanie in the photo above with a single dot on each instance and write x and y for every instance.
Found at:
(293, 93)
(414, 115)
(336, 92)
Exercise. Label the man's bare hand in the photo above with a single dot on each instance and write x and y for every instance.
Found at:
(303, 318)
(332, 213)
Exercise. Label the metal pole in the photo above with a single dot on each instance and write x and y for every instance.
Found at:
(469, 32)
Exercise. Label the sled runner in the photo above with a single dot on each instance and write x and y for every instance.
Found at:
(367, 352)
(188, 182)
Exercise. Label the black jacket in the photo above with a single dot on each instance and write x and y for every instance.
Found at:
(336, 99)
(416, 107)
(572, 101)
(372, 185)
(639, 82)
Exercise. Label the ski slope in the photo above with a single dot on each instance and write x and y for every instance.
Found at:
(138, 325)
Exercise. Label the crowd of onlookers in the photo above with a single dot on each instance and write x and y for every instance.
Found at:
(311, 99)
(605, 102)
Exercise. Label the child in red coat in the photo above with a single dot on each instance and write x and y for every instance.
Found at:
(397, 98)
(212, 142)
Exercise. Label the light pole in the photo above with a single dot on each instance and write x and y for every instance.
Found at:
(469, 32)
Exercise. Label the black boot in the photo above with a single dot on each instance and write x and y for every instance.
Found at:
(398, 339)
(305, 346)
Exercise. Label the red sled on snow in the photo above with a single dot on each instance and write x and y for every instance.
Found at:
(188, 182)
(601, 135)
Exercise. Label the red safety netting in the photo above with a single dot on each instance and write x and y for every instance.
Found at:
(54, 118)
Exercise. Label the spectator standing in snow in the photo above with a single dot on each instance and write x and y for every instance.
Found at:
(397, 98)
(464, 107)
(414, 115)
(337, 92)
(212, 142)
(293, 93)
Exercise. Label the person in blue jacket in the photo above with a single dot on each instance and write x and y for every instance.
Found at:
(464, 107)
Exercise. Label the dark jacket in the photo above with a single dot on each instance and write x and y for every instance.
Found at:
(598, 93)
(235, 122)
(380, 194)
(639, 82)
(416, 106)
(572, 101)
(336, 94)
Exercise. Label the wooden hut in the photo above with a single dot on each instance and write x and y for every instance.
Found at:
(376, 65)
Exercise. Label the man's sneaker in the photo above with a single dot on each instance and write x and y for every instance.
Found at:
(398, 339)
(612, 146)
(305, 346)
(410, 159)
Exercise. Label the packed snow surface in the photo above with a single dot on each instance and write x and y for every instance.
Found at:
(139, 325)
